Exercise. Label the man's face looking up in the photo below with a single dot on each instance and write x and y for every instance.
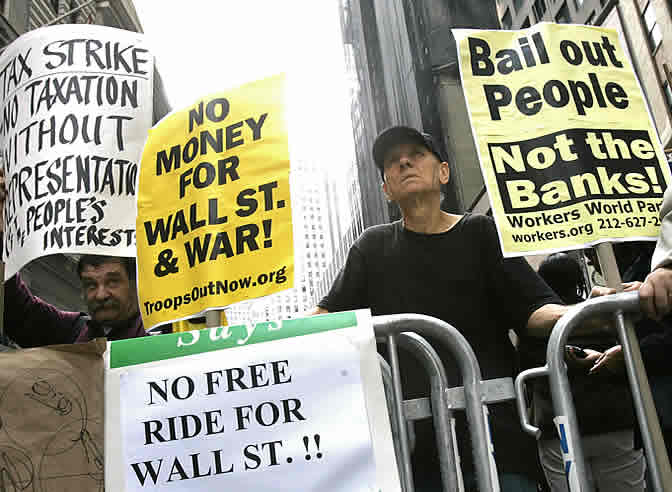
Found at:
(108, 292)
(410, 168)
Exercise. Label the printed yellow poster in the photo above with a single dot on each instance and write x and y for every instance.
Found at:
(214, 222)
(568, 150)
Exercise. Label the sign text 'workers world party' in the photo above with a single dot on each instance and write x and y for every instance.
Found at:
(214, 216)
(76, 104)
(568, 150)
(253, 407)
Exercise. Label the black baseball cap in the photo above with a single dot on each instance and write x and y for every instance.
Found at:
(399, 135)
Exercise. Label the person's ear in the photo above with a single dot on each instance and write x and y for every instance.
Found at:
(386, 192)
(444, 172)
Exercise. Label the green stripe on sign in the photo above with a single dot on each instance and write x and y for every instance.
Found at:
(161, 347)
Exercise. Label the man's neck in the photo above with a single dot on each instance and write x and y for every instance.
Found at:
(114, 325)
(425, 220)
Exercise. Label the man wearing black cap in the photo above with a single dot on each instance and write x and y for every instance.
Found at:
(450, 267)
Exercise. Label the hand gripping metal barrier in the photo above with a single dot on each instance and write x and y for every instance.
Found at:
(563, 405)
(471, 397)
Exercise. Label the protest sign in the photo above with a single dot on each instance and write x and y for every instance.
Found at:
(76, 106)
(51, 406)
(253, 407)
(567, 147)
(214, 215)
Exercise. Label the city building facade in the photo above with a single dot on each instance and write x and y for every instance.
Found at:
(403, 60)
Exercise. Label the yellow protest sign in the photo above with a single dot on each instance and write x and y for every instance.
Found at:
(568, 150)
(214, 222)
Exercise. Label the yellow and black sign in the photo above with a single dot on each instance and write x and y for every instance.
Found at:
(214, 222)
(568, 150)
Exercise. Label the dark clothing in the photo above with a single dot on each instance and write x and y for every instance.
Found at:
(31, 322)
(603, 401)
(458, 276)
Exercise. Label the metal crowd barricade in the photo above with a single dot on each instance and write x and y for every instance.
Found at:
(471, 397)
(563, 405)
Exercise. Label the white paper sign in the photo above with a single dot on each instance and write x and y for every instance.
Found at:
(75, 108)
(288, 414)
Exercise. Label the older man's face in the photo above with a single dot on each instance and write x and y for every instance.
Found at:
(108, 292)
(410, 169)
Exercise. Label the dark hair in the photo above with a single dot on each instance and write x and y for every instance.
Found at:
(97, 260)
(563, 274)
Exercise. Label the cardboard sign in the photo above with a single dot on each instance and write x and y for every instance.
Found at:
(251, 407)
(51, 406)
(568, 150)
(76, 104)
(214, 214)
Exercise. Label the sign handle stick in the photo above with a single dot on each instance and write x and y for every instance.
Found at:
(656, 454)
(2, 299)
(213, 318)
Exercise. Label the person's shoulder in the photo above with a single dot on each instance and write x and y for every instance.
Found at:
(475, 220)
(377, 233)
(478, 224)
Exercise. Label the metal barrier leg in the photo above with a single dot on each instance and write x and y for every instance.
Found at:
(560, 392)
(386, 373)
(441, 415)
(565, 419)
(401, 421)
(656, 454)
(470, 371)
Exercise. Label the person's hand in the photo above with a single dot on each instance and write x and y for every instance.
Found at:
(611, 360)
(599, 290)
(574, 360)
(656, 292)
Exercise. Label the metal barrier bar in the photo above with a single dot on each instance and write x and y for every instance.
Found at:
(386, 373)
(659, 470)
(658, 463)
(457, 345)
(442, 416)
(407, 476)
(563, 405)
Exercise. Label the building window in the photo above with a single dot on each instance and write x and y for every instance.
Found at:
(526, 24)
(54, 5)
(652, 27)
(517, 5)
(506, 20)
(579, 4)
(668, 95)
(539, 8)
(563, 15)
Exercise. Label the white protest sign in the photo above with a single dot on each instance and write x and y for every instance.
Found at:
(303, 410)
(76, 105)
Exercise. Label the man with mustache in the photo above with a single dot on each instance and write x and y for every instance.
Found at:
(108, 287)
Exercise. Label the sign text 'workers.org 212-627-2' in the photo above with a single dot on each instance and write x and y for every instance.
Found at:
(568, 150)
(76, 104)
(214, 217)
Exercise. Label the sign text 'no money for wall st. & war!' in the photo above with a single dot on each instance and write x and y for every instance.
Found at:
(214, 214)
